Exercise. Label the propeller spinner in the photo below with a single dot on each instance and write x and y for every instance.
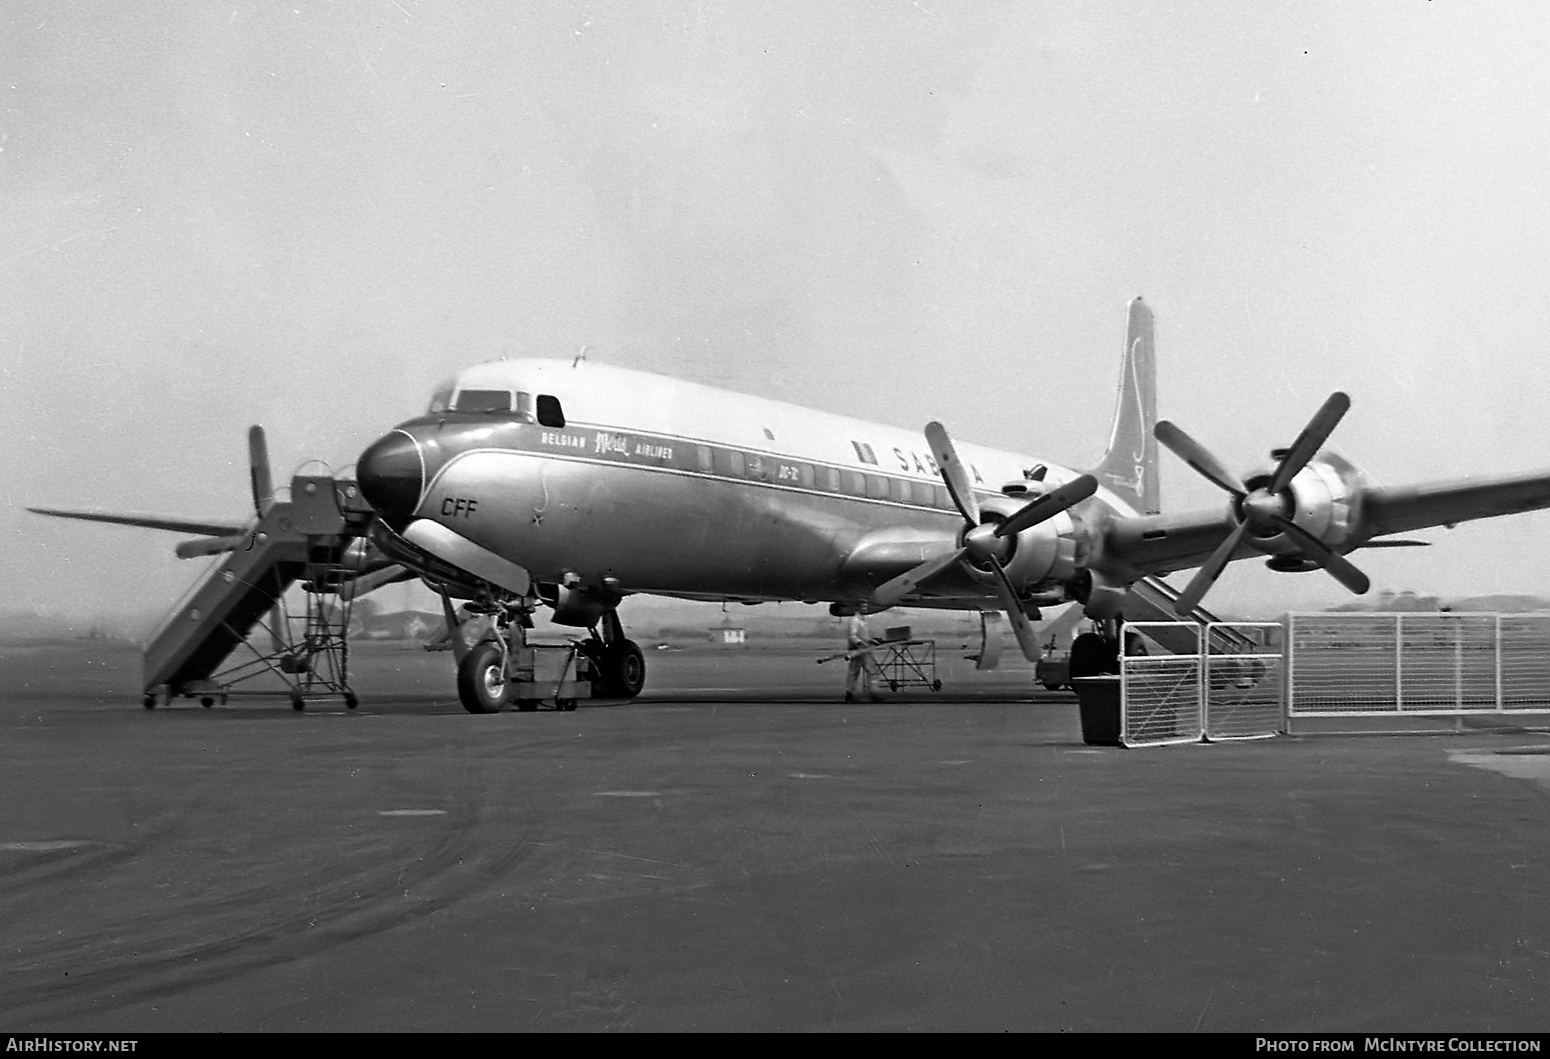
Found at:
(1266, 510)
(984, 544)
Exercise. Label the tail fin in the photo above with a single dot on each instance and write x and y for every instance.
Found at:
(1129, 468)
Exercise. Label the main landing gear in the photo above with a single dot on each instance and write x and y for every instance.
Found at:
(618, 666)
(1097, 653)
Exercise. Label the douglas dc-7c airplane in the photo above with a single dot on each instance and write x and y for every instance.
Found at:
(574, 484)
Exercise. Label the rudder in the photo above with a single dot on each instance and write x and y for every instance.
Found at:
(1129, 467)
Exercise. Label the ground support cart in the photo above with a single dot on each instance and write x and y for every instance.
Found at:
(545, 672)
(907, 664)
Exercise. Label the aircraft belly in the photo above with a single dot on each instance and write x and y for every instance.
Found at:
(651, 530)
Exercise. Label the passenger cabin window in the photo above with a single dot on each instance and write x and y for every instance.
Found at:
(549, 412)
(483, 401)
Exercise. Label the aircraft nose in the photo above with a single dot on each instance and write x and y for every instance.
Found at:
(391, 474)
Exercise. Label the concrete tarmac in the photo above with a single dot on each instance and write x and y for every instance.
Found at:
(764, 859)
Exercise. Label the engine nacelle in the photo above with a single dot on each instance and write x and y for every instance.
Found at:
(1041, 554)
(576, 606)
(1323, 503)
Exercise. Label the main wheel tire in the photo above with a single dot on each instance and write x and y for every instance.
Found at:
(621, 670)
(481, 680)
(1092, 655)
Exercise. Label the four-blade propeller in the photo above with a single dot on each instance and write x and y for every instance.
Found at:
(986, 544)
(1266, 510)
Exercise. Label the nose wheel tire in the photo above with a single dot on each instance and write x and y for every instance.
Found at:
(481, 680)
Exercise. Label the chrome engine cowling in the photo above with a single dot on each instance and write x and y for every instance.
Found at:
(1043, 553)
(1321, 499)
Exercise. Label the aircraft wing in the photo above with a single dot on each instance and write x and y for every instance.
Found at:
(172, 525)
(1400, 510)
(1165, 543)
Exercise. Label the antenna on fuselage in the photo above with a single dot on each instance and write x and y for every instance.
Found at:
(580, 356)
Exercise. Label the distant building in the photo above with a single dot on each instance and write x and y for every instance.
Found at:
(403, 625)
(728, 632)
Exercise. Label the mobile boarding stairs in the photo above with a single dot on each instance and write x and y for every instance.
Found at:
(205, 647)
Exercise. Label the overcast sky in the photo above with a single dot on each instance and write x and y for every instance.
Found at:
(305, 214)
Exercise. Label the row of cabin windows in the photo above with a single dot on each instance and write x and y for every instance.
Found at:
(545, 410)
(762, 468)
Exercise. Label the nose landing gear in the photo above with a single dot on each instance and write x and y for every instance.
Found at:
(501, 667)
(497, 666)
(481, 679)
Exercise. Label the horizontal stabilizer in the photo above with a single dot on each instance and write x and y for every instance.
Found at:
(159, 522)
(202, 546)
(388, 575)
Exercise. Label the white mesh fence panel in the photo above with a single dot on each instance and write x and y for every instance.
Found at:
(1160, 694)
(1243, 680)
(1342, 664)
(1374, 665)
(1525, 661)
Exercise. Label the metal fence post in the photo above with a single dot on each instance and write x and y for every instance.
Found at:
(1496, 648)
(1399, 662)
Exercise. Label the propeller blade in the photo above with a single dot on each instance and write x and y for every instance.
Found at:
(1193, 453)
(953, 472)
(1206, 576)
(1337, 565)
(258, 470)
(1310, 440)
(357, 587)
(891, 591)
(1022, 628)
(1049, 505)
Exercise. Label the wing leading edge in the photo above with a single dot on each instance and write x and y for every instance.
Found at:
(1400, 510)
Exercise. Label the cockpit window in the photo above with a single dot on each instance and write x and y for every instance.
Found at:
(443, 399)
(483, 401)
(524, 406)
(549, 412)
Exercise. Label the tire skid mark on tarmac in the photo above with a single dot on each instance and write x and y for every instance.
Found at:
(259, 926)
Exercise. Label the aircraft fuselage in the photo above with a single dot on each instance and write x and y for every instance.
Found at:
(765, 501)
